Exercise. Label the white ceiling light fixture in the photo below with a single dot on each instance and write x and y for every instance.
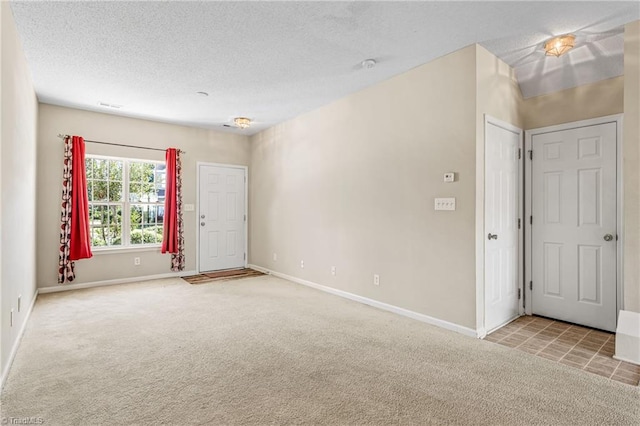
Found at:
(560, 45)
(242, 122)
(367, 64)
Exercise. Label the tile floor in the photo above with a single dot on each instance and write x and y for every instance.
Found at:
(580, 347)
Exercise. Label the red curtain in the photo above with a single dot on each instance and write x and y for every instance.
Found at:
(170, 237)
(80, 239)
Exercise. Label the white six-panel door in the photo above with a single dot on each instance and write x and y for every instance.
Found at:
(502, 208)
(221, 217)
(574, 249)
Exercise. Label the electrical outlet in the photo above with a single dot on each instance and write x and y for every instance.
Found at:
(302, 264)
(275, 257)
(333, 270)
(136, 261)
(376, 279)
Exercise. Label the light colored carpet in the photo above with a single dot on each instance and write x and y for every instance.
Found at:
(266, 351)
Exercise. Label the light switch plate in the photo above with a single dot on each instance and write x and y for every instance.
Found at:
(445, 204)
(189, 207)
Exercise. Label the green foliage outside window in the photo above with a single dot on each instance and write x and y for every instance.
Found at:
(109, 182)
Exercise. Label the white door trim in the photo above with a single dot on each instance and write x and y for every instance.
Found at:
(246, 207)
(480, 220)
(616, 118)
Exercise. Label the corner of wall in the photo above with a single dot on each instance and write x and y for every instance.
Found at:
(18, 129)
(631, 171)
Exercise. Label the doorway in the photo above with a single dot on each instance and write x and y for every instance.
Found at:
(502, 223)
(222, 217)
(573, 206)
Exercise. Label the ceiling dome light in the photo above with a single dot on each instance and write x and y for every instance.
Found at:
(560, 45)
(368, 63)
(242, 122)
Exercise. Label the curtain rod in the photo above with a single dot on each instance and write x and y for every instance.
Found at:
(61, 136)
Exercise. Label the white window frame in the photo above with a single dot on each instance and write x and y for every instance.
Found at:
(126, 206)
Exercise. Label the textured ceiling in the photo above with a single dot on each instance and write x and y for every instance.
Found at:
(271, 61)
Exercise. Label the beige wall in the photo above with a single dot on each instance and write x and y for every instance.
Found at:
(631, 167)
(201, 145)
(352, 185)
(579, 103)
(18, 118)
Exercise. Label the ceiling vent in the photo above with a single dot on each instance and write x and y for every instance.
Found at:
(106, 105)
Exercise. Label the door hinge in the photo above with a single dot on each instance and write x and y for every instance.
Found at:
(530, 285)
(530, 220)
(530, 154)
(245, 179)
(245, 217)
(519, 153)
(519, 294)
(519, 222)
(245, 256)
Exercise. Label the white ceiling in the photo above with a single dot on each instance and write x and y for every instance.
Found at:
(272, 61)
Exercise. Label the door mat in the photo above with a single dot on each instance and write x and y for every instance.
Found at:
(232, 274)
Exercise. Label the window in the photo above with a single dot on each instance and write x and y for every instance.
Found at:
(126, 201)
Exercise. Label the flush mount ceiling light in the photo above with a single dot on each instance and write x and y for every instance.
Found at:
(368, 63)
(560, 45)
(242, 122)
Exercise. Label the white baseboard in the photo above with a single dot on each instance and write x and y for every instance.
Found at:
(376, 304)
(67, 287)
(260, 269)
(16, 344)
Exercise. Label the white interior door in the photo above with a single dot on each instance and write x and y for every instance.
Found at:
(221, 217)
(502, 211)
(574, 249)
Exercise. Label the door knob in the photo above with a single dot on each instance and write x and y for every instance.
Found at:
(608, 237)
(492, 236)
(201, 216)
(201, 223)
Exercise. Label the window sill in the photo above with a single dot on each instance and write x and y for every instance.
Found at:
(120, 250)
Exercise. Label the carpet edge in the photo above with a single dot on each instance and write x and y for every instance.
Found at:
(375, 303)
